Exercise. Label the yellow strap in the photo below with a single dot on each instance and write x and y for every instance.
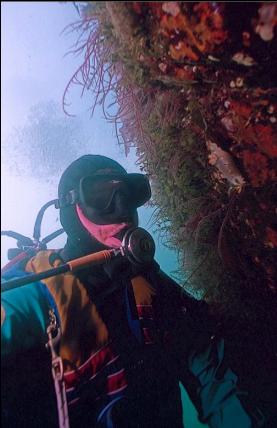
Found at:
(3, 315)
(143, 291)
(79, 316)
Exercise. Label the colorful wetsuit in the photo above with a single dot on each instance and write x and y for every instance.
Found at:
(128, 340)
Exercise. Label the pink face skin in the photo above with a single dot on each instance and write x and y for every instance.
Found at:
(104, 233)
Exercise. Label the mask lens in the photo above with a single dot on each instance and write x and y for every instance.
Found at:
(99, 192)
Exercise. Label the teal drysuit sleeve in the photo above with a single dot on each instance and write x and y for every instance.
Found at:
(26, 317)
(218, 396)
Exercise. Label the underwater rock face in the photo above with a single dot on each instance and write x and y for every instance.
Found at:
(195, 83)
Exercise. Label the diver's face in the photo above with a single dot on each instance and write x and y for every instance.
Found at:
(113, 198)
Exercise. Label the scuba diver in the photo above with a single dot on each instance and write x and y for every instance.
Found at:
(122, 334)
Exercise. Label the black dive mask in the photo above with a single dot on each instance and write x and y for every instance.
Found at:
(110, 198)
(99, 193)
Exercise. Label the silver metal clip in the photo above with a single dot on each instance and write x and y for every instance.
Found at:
(54, 335)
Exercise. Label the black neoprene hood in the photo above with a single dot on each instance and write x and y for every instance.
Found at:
(84, 166)
(88, 165)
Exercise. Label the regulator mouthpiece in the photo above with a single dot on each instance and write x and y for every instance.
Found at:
(138, 246)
